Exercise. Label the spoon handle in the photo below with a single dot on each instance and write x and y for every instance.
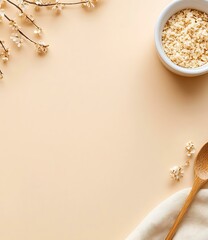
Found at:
(198, 183)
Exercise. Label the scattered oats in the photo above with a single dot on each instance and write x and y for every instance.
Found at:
(190, 149)
(185, 38)
(176, 173)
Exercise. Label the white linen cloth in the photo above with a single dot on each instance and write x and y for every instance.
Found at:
(193, 227)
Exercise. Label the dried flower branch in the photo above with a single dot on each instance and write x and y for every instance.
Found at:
(23, 14)
(39, 3)
(40, 47)
(5, 53)
(19, 35)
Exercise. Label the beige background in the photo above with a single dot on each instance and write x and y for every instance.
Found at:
(89, 132)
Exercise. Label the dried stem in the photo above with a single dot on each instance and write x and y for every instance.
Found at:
(56, 3)
(2, 44)
(30, 19)
(18, 30)
(25, 36)
(5, 54)
(1, 74)
(41, 48)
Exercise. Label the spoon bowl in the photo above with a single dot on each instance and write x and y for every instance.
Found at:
(201, 163)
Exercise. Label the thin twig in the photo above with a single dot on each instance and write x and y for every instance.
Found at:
(26, 37)
(31, 20)
(56, 3)
(18, 30)
(2, 44)
(1, 74)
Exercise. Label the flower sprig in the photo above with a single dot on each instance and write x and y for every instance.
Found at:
(23, 14)
(5, 52)
(18, 35)
(40, 3)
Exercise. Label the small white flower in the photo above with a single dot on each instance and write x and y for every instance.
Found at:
(58, 7)
(17, 39)
(89, 3)
(13, 25)
(22, 15)
(38, 3)
(41, 48)
(38, 32)
(176, 173)
(5, 55)
(22, 4)
(1, 15)
(5, 59)
(190, 149)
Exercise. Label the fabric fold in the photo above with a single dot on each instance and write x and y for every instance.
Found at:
(193, 227)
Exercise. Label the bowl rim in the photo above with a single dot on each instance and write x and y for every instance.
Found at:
(158, 42)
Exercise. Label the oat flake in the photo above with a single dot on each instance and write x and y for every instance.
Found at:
(185, 38)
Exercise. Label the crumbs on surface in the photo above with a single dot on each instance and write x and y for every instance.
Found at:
(185, 38)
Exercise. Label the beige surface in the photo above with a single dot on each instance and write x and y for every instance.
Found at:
(89, 132)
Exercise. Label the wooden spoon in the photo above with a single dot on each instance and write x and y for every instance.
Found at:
(201, 177)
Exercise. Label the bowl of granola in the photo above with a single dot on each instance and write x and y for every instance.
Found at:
(181, 37)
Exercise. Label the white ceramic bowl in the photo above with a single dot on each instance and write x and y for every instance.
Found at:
(171, 9)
